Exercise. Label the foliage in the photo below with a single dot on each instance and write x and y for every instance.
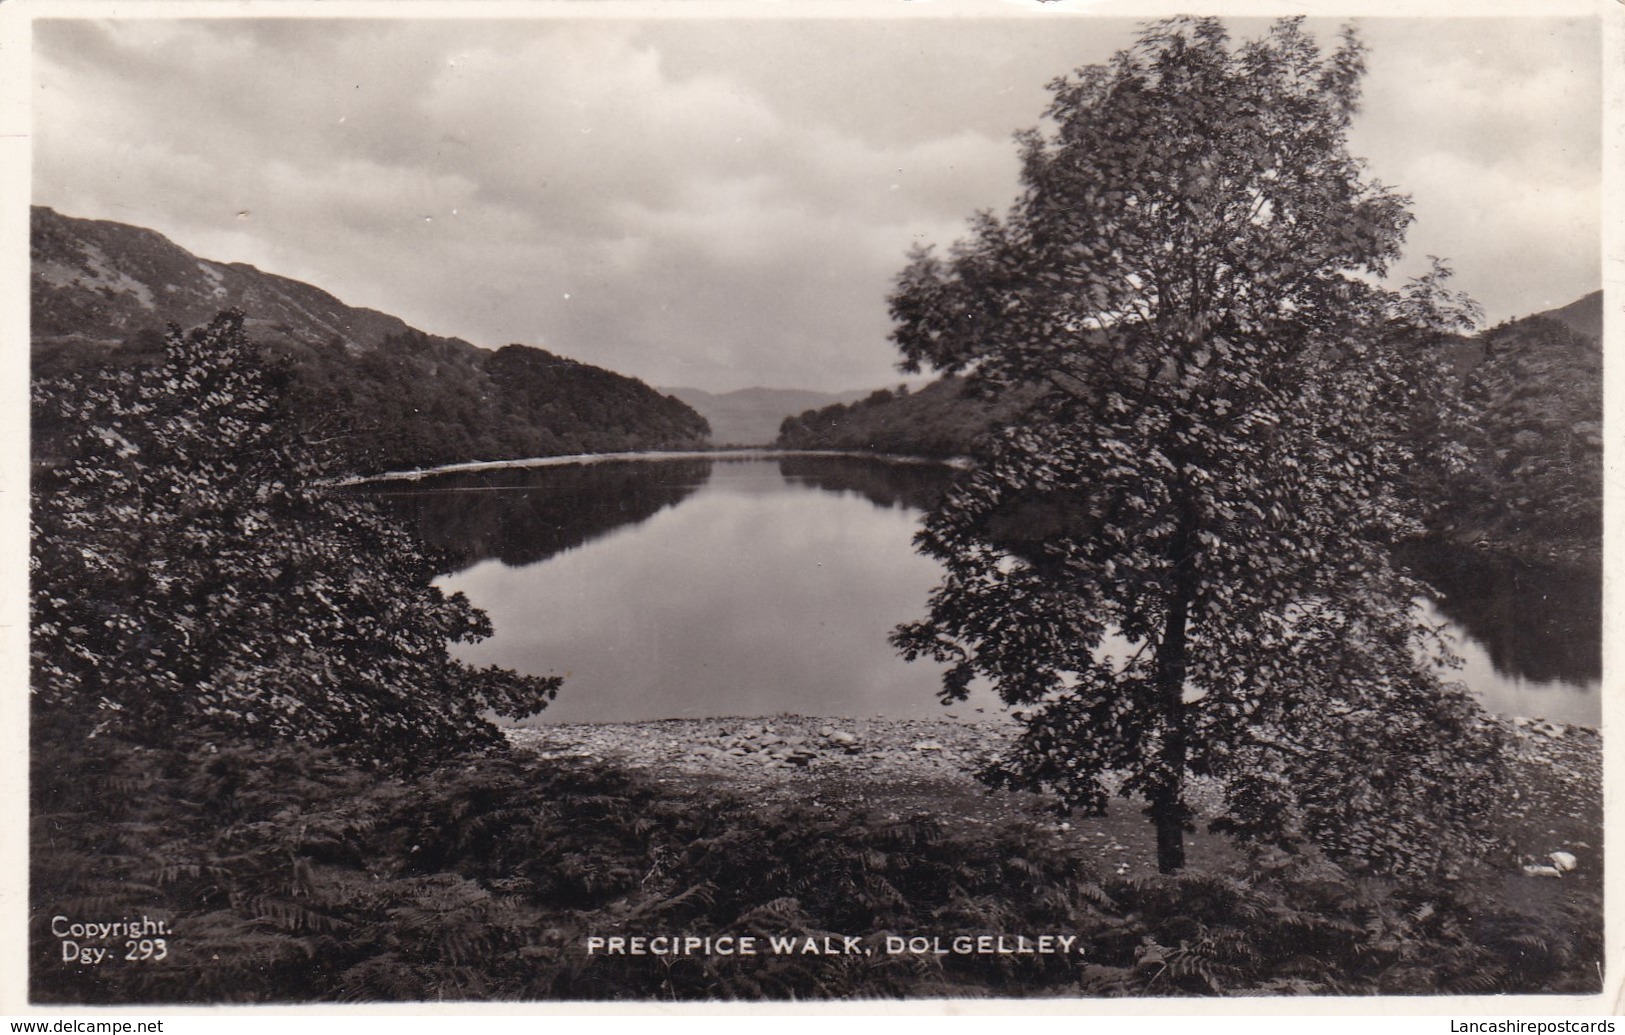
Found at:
(286, 874)
(187, 574)
(417, 401)
(1215, 467)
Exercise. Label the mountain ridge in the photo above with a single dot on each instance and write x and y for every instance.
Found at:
(124, 263)
(384, 394)
(1583, 315)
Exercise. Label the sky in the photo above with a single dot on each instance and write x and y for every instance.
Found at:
(725, 202)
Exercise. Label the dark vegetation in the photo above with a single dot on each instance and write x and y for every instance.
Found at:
(1533, 486)
(288, 875)
(371, 391)
(944, 419)
(186, 574)
(414, 402)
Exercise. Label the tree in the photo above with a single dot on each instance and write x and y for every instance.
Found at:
(1227, 403)
(187, 574)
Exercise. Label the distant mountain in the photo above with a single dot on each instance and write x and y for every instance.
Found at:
(379, 392)
(751, 416)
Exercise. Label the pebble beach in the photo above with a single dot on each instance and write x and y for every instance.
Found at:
(785, 747)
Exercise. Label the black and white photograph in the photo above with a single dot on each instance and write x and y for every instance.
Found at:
(806, 503)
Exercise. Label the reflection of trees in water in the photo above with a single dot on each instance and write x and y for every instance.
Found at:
(523, 516)
(881, 482)
(1536, 623)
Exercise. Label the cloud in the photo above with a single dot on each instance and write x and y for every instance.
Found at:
(1493, 128)
(469, 177)
(716, 203)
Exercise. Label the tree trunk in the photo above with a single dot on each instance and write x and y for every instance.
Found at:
(1170, 824)
(1168, 811)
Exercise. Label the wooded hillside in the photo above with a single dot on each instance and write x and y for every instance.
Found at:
(377, 393)
(1533, 387)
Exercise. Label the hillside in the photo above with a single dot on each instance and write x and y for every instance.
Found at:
(103, 283)
(751, 416)
(378, 392)
(1583, 316)
(945, 418)
(1533, 388)
(1534, 487)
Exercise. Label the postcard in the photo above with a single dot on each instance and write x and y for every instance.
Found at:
(1028, 506)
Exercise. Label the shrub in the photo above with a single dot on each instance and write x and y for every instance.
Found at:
(189, 573)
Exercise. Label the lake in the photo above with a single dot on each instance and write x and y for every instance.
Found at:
(700, 587)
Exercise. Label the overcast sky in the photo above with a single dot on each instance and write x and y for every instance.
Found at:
(723, 203)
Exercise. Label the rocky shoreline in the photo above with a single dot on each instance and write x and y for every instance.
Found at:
(788, 748)
(781, 748)
(927, 767)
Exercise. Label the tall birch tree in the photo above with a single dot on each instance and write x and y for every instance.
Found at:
(1214, 469)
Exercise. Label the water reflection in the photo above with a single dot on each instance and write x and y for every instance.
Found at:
(757, 596)
(1535, 623)
(918, 486)
(728, 587)
(1530, 637)
(520, 516)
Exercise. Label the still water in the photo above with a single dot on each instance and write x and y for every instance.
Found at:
(699, 587)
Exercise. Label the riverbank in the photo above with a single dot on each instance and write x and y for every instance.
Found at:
(927, 767)
(586, 459)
